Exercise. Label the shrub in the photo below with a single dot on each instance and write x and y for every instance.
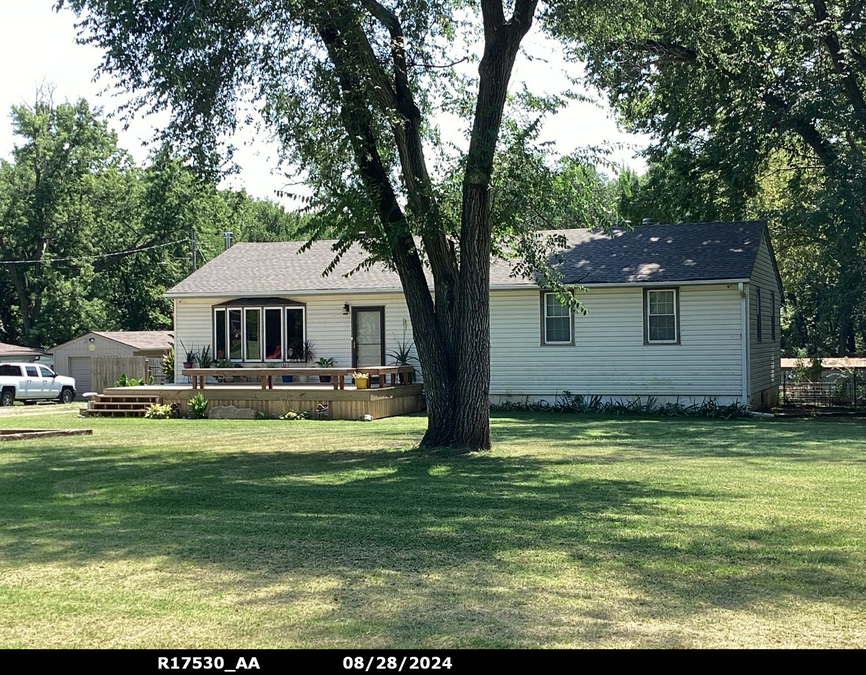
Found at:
(566, 402)
(296, 415)
(198, 406)
(168, 365)
(158, 411)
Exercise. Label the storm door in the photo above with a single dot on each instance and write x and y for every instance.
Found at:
(368, 333)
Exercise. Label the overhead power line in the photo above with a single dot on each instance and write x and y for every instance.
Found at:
(92, 257)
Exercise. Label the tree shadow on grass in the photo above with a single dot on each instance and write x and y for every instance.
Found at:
(413, 547)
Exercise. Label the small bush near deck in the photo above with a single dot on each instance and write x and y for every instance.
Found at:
(198, 406)
(158, 411)
(296, 415)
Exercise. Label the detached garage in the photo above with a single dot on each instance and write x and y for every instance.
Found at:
(75, 358)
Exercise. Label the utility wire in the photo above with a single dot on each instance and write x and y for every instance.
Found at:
(92, 257)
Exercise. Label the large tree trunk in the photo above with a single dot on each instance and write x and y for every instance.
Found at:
(502, 42)
(452, 334)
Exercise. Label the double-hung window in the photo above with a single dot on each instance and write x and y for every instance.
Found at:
(557, 322)
(661, 316)
(271, 331)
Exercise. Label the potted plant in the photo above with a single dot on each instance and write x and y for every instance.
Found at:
(402, 355)
(306, 354)
(362, 380)
(205, 360)
(326, 362)
(191, 356)
(224, 363)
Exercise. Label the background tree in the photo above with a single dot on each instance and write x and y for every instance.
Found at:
(90, 241)
(47, 214)
(727, 89)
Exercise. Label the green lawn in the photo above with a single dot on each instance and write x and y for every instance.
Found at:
(575, 531)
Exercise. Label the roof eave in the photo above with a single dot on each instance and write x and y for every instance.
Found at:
(397, 290)
(272, 293)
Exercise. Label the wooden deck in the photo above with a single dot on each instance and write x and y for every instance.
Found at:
(321, 400)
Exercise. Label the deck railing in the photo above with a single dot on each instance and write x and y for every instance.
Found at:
(397, 374)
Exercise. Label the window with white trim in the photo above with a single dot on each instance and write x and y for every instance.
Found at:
(661, 316)
(259, 333)
(557, 321)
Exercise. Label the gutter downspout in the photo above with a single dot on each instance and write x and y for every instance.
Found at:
(744, 347)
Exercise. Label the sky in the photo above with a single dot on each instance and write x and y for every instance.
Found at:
(38, 49)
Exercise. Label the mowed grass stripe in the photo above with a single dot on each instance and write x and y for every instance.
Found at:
(575, 531)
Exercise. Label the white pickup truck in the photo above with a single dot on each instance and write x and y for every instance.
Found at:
(31, 382)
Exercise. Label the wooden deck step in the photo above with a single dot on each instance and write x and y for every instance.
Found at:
(119, 405)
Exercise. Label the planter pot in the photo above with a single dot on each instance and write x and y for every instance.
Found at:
(301, 378)
(324, 378)
(362, 382)
(187, 364)
(287, 378)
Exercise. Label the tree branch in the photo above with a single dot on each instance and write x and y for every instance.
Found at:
(849, 83)
(407, 133)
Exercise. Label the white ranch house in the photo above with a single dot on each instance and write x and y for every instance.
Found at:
(688, 311)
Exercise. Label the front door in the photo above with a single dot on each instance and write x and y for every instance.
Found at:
(368, 333)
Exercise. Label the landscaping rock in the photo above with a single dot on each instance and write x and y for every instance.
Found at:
(230, 412)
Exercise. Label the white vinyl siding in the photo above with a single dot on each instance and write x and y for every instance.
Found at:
(609, 356)
(772, 315)
(764, 354)
(759, 316)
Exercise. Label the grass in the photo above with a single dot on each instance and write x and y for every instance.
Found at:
(575, 531)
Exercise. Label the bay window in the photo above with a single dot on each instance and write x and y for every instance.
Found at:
(253, 329)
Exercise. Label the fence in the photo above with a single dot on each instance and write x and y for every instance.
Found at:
(106, 370)
(840, 388)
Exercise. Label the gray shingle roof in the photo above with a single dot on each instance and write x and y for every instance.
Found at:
(663, 253)
(647, 254)
(8, 351)
(141, 339)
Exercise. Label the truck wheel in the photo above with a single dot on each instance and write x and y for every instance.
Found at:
(67, 396)
(7, 397)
